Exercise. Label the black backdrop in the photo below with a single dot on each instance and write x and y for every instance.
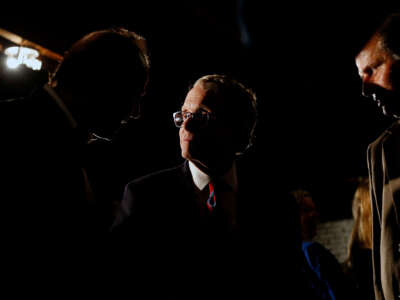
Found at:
(299, 59)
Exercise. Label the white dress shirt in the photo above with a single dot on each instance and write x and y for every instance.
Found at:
(226, 199)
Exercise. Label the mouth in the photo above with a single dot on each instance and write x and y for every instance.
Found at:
(388, 105)
(187, 138)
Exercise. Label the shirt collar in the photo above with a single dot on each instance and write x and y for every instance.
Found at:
(201, 179)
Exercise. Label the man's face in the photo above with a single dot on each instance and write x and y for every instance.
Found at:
(208, 145)
(99, 107)
(379, 71)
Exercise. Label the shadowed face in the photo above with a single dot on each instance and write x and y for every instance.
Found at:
(209, 145)
(308, 218)
(99, 107)
(379, 71)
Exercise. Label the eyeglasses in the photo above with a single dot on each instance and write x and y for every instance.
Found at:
(200, 119)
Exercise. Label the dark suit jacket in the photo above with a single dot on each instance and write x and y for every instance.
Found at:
(384, 172)
(43, 191)
(161, 219)
(165, 203)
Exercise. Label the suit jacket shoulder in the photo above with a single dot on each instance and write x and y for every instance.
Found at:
(155, 194)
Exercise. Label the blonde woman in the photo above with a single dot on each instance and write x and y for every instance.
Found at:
(358, 265)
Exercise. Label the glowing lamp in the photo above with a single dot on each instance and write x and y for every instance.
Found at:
(22, 55)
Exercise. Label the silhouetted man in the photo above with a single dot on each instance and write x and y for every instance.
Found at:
(46, 190)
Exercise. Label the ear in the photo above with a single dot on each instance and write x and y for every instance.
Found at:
(245, 136)
(242, 141)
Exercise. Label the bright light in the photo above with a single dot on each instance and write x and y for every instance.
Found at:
(22, 55)
(12, 51)
(33, 63)
(12, 63)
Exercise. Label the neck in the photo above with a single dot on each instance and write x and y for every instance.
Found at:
(214, 170)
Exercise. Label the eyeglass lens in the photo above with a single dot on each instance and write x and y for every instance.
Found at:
(199, 118)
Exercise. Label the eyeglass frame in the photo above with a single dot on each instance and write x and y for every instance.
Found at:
(190, 115)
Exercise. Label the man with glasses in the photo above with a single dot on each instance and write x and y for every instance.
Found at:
(204, 220)
(216, 123)
(194, 206)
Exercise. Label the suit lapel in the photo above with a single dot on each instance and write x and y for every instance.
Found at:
(391, 166)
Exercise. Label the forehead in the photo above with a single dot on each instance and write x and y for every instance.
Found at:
(197, 98)
(372, 52)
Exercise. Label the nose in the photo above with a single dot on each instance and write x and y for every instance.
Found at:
(188, 123)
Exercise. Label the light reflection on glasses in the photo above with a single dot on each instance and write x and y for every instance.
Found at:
(200, 118)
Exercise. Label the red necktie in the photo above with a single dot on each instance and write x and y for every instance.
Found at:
(211, 201)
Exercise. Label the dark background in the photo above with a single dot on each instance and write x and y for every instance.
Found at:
(299, 59)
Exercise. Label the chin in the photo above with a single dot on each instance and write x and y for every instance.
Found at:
(188, 151)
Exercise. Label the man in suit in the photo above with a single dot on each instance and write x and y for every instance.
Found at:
(378, 65)
(213, 220)
(45, 186)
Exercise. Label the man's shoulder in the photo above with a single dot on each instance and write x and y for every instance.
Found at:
(34, 108)
(318, 253)
(314, 247)
(14, 106)
(389, 134)
(19, 119)
(149, 194)
(164, 175)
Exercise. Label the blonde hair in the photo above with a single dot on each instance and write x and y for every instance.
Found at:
(361, 235)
